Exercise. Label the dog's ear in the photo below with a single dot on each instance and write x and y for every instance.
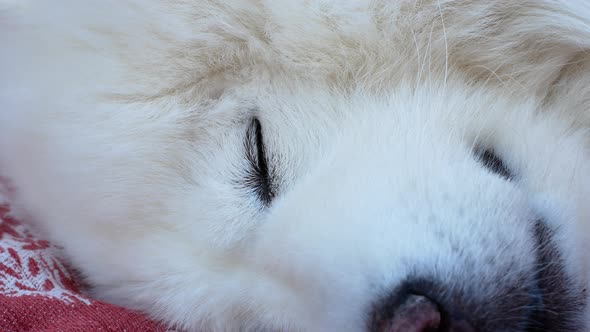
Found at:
(540, 46)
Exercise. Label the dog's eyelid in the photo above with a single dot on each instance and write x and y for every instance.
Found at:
(493, 162)
(258, 177)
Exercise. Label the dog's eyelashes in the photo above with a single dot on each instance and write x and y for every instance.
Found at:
(493, 162)
(258, 177)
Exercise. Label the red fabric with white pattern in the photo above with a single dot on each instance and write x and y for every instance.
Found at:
(39, 293)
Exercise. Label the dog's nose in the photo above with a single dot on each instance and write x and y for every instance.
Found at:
(418, 313)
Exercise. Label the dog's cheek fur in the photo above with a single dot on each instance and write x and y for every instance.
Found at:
(98, 120)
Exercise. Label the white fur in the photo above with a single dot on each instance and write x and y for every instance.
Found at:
(122, 125)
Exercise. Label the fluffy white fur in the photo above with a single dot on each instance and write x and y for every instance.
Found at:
(122, 125)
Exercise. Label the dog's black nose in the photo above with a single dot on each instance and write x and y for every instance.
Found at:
(417, 313)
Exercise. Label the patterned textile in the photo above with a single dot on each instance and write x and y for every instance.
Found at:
(39, 293)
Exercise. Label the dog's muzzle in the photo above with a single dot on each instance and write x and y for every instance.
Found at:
(543, 299)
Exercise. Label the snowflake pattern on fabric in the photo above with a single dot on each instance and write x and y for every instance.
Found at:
(28, 266)
(39, 293)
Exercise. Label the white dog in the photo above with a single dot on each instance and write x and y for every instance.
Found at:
(318, 165)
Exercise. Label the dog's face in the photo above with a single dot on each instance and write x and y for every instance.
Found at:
(332, 210)
(360, 193)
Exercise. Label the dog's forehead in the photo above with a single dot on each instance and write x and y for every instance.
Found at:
(383, 42)
(424, 111)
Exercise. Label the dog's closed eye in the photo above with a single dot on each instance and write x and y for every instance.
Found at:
(489, 159)
(258, 176)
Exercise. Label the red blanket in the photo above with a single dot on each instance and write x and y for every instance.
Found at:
(39, 293)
